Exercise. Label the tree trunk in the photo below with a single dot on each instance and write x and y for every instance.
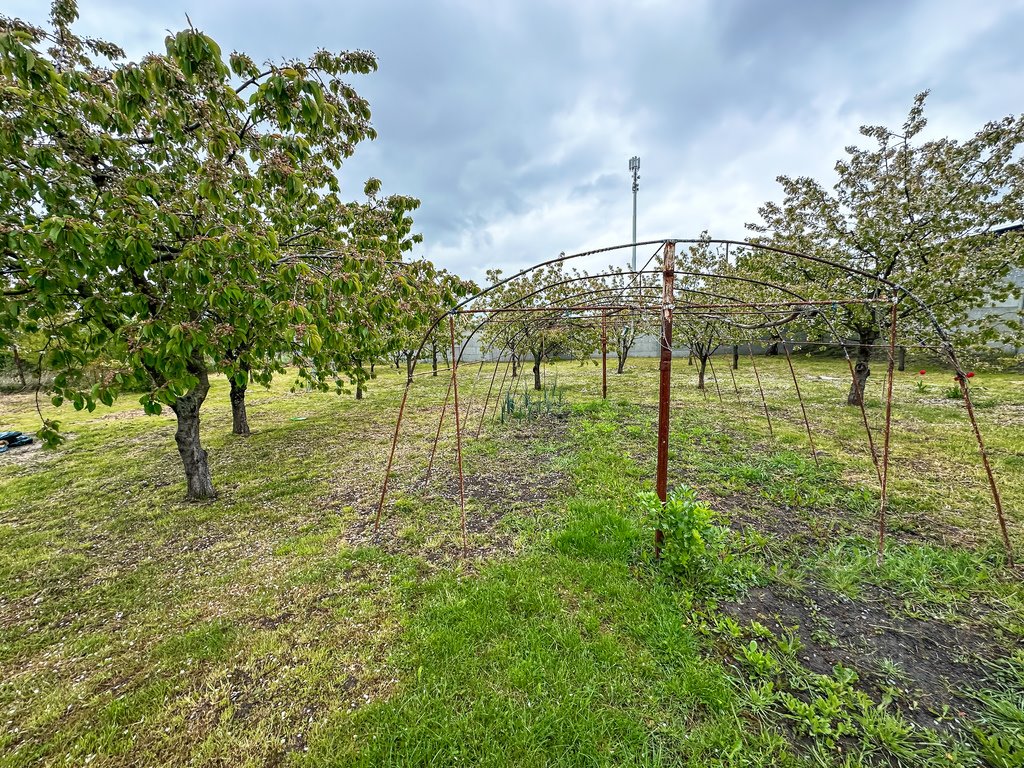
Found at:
(193, 456)
(689, 358)
(902, 359)
(409, 366)
(433, 359)
(536, 370)
(622, 350)
(515, 367)
(359, 382)
(861, 370)
(20, 365)
(735, 357)
(700, 373)
(772, 350)
(371, 369)
(239, 418)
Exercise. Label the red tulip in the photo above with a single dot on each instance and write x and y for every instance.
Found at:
(921, 373)
(970, 375)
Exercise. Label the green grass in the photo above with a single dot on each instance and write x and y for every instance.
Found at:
(274, 626)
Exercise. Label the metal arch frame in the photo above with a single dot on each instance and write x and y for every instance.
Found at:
(896, 291)
(800, 300)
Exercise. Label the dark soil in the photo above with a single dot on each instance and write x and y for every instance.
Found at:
(937, 662)
(797, 526)
(503, 490)
(517, 479)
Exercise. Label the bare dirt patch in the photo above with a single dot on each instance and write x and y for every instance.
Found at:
(516, 478)
(788, 525)
(931, 664)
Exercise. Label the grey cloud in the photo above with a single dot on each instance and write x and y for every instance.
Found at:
(513, 121)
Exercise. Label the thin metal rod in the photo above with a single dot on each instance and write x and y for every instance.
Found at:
(556, 308)
(664, 384)
(961, 378)
(782, 305)
(501, 388)
(735, 386)
(760, 389)
(483, 413)
(883, 503)
(458, 436)
(714, 377)
(604, 349)
(437, 436)
(391, 456)
(803, 410)
(472, 392)
(863, 414)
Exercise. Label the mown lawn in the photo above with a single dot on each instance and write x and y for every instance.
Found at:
(275, 627)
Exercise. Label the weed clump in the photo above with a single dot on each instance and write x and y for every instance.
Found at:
(549, 401)
(693, 543)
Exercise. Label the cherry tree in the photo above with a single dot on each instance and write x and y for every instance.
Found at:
(148, 209)
(928, 215)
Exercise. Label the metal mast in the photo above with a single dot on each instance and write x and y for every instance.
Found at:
(634, 166)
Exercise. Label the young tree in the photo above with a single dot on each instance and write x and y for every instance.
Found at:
(702, 279)
(134, 208)
(702, 335)
(503, 332)
(541, 334)
(627, 288)
(927, 215)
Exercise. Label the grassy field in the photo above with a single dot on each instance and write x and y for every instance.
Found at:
(274, 627)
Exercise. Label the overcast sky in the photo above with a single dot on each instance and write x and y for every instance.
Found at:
(514, 122)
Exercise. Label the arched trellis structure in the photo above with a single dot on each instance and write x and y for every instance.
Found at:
(597, 302)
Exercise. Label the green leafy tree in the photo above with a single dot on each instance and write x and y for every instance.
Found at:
(348, 258)
(146, 209)
(435, 292)
(927, 215)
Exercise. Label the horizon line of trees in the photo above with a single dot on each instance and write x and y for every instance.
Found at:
(181, 216)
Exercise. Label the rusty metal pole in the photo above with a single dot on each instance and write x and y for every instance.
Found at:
(604, 355)
(735, 386)
(437, 435)
(487, 400)
(800, 398)
(760, 389)
(391, 456)
(458, 435)
(883, 503)
(472, 392)
(863, 414)
(714, 378)
(961, 378)
(665, 381)
(501, 388)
